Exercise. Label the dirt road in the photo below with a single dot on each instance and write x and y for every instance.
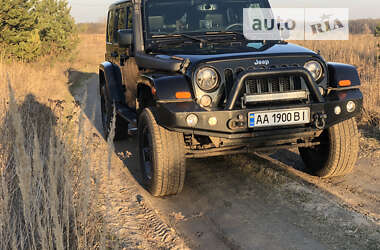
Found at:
(261, 201)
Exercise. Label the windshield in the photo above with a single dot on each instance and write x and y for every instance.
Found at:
(165, 17)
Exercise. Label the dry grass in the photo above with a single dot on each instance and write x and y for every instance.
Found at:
(90, 52)
(37, 194)
(48, 196)
(363, 51)
(48, 199)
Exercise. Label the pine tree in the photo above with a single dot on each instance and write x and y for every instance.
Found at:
(32, 28)
(57, 28)
(19, 37)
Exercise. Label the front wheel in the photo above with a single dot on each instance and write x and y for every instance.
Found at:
(107, 110)
(162, 156)
(337, 153)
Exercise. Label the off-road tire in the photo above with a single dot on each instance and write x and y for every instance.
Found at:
(121, 125)
(167, 156)
(337, 154)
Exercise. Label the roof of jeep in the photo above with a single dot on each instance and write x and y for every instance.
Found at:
(115, 4)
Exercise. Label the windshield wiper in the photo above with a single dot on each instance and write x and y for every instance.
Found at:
(264, 42)
(183, 35)
(219, 33)
(163, 43)
(204, 41)
(227, 32)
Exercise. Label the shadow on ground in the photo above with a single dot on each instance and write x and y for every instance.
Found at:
(126, 150)
(29, 142)
(371, 130)
(77, 78)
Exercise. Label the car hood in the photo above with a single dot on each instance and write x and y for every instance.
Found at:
(262, 53)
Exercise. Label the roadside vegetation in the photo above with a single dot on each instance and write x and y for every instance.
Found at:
(364, 26)
(377, 31)
(362, 51)
(47, 198)
(32, 29)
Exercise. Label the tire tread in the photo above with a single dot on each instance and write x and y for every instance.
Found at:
(169, 157)
(343, 153)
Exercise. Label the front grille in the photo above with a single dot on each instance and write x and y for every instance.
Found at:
(271, 85)
(270, 88)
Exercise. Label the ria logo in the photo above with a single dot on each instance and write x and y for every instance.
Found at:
(262, 62)
(327, 24)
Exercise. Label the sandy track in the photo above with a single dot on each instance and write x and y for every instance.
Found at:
(260, 201)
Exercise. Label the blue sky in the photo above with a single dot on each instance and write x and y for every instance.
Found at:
(95, 10)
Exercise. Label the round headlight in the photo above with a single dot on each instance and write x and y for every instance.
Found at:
(207, 79)
(315, 69)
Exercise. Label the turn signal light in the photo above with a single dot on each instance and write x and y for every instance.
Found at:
(183, 95)
(344, 83)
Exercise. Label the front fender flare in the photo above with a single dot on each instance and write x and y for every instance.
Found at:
(113, 81)
(166, 86)
(340, 71)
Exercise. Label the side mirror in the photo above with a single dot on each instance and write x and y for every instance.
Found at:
(125, 37)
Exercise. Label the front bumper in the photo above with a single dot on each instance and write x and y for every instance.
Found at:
(173, 117)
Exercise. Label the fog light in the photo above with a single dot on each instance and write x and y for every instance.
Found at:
(337, 110)
(192, 120)
(212, 121)
(351, 106)
(206, 101)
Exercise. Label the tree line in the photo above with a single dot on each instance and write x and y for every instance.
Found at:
(364, 26)
(30, 29)
(92, 28)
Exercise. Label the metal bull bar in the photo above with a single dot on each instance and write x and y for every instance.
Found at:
(299, 71)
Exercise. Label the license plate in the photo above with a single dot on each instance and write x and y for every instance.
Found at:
(279, 117)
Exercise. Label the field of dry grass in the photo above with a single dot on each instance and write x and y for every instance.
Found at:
(362, 51)
(47, 195)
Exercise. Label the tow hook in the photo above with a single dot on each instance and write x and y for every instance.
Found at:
(320, 120)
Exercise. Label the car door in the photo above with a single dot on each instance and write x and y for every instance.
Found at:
(129, 68)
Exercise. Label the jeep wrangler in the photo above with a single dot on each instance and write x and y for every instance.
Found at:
(184, 76)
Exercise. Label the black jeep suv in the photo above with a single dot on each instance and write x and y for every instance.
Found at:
(184, 75)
